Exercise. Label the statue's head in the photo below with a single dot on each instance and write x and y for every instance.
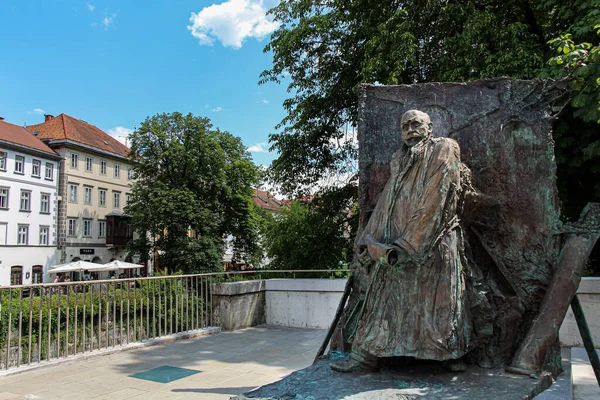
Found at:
(416, 126)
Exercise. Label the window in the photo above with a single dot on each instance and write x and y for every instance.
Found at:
(44, 235)
(71, 227)
(16, 275)
(127, 198)
(73, 193)
(45, 203)
(37, 274)
(74, 160)
(129, 173)
(87, 228)
(117, 170)
(36, 166)
(87, 195)
(4, 198)
(102, 197)
(49, 171)
(88, 164)
(2, 161)
(25, 200)
(23, 236)
(116, 199)
(19, 165)
(101, 228)
(102, 167)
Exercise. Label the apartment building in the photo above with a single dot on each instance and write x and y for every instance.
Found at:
(28, 206)
(94, 185)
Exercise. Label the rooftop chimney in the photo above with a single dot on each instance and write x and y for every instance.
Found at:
(48, 117)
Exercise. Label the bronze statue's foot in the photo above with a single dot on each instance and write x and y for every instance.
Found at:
(351, 365)
(455, 365)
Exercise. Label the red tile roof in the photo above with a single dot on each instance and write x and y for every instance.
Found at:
(21, 136)
(266, 200)
(64, 127)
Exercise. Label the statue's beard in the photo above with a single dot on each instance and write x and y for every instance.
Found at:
(414, 139)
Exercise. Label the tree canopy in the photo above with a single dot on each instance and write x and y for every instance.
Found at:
(327, 48)
(313, 235)
(193, 187)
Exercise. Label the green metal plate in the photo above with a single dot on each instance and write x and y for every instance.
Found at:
(164, 374)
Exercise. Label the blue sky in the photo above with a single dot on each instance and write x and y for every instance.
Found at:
(112, 63)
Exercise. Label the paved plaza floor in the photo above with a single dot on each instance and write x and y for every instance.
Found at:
(585, 385)
(218, 366)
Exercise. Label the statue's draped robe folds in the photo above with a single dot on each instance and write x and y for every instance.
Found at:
(417, 307)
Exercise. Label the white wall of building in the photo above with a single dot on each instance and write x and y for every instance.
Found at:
(12, 253)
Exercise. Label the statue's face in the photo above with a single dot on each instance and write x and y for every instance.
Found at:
(416, 126)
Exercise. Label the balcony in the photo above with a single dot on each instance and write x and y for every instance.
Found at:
(118, 229)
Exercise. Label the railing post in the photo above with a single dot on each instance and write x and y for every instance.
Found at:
(30, 326)
(60, 288)
(20, 327)
(9, 327)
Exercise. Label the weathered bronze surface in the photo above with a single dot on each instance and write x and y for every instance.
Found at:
(444, 271)
(579, 242)
(412, 246)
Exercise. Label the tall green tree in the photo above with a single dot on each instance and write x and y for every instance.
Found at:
(327, 48)
(313, 235)
(193, 187)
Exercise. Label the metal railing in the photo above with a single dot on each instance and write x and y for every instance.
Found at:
(44, 322)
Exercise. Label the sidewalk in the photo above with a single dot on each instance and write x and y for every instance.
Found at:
(218, 367)
(585, 385)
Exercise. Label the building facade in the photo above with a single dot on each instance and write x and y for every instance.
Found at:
(94, 184)
(28, 206)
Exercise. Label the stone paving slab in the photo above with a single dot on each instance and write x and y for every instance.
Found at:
(230, 363)
(585, 385)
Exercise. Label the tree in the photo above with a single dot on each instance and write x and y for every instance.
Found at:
(313, 235)
(193, 187)
(327, 48)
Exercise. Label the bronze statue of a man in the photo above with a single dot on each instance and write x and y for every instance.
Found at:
(412, 248)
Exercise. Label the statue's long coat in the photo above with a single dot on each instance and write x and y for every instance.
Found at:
(417, 307)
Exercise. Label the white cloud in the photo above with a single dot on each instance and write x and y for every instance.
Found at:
(232, 22)
(264, 101)
(108, 21)
(38, 111)
(217, 109)
(90, 7)
(261, 147)
(121, 133)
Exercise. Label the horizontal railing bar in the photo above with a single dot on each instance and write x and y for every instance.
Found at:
(95, 282)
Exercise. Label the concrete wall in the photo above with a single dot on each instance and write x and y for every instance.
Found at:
(589, 297)
(311, 303)
(307, 303)
(239, 305)
(304, 303)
